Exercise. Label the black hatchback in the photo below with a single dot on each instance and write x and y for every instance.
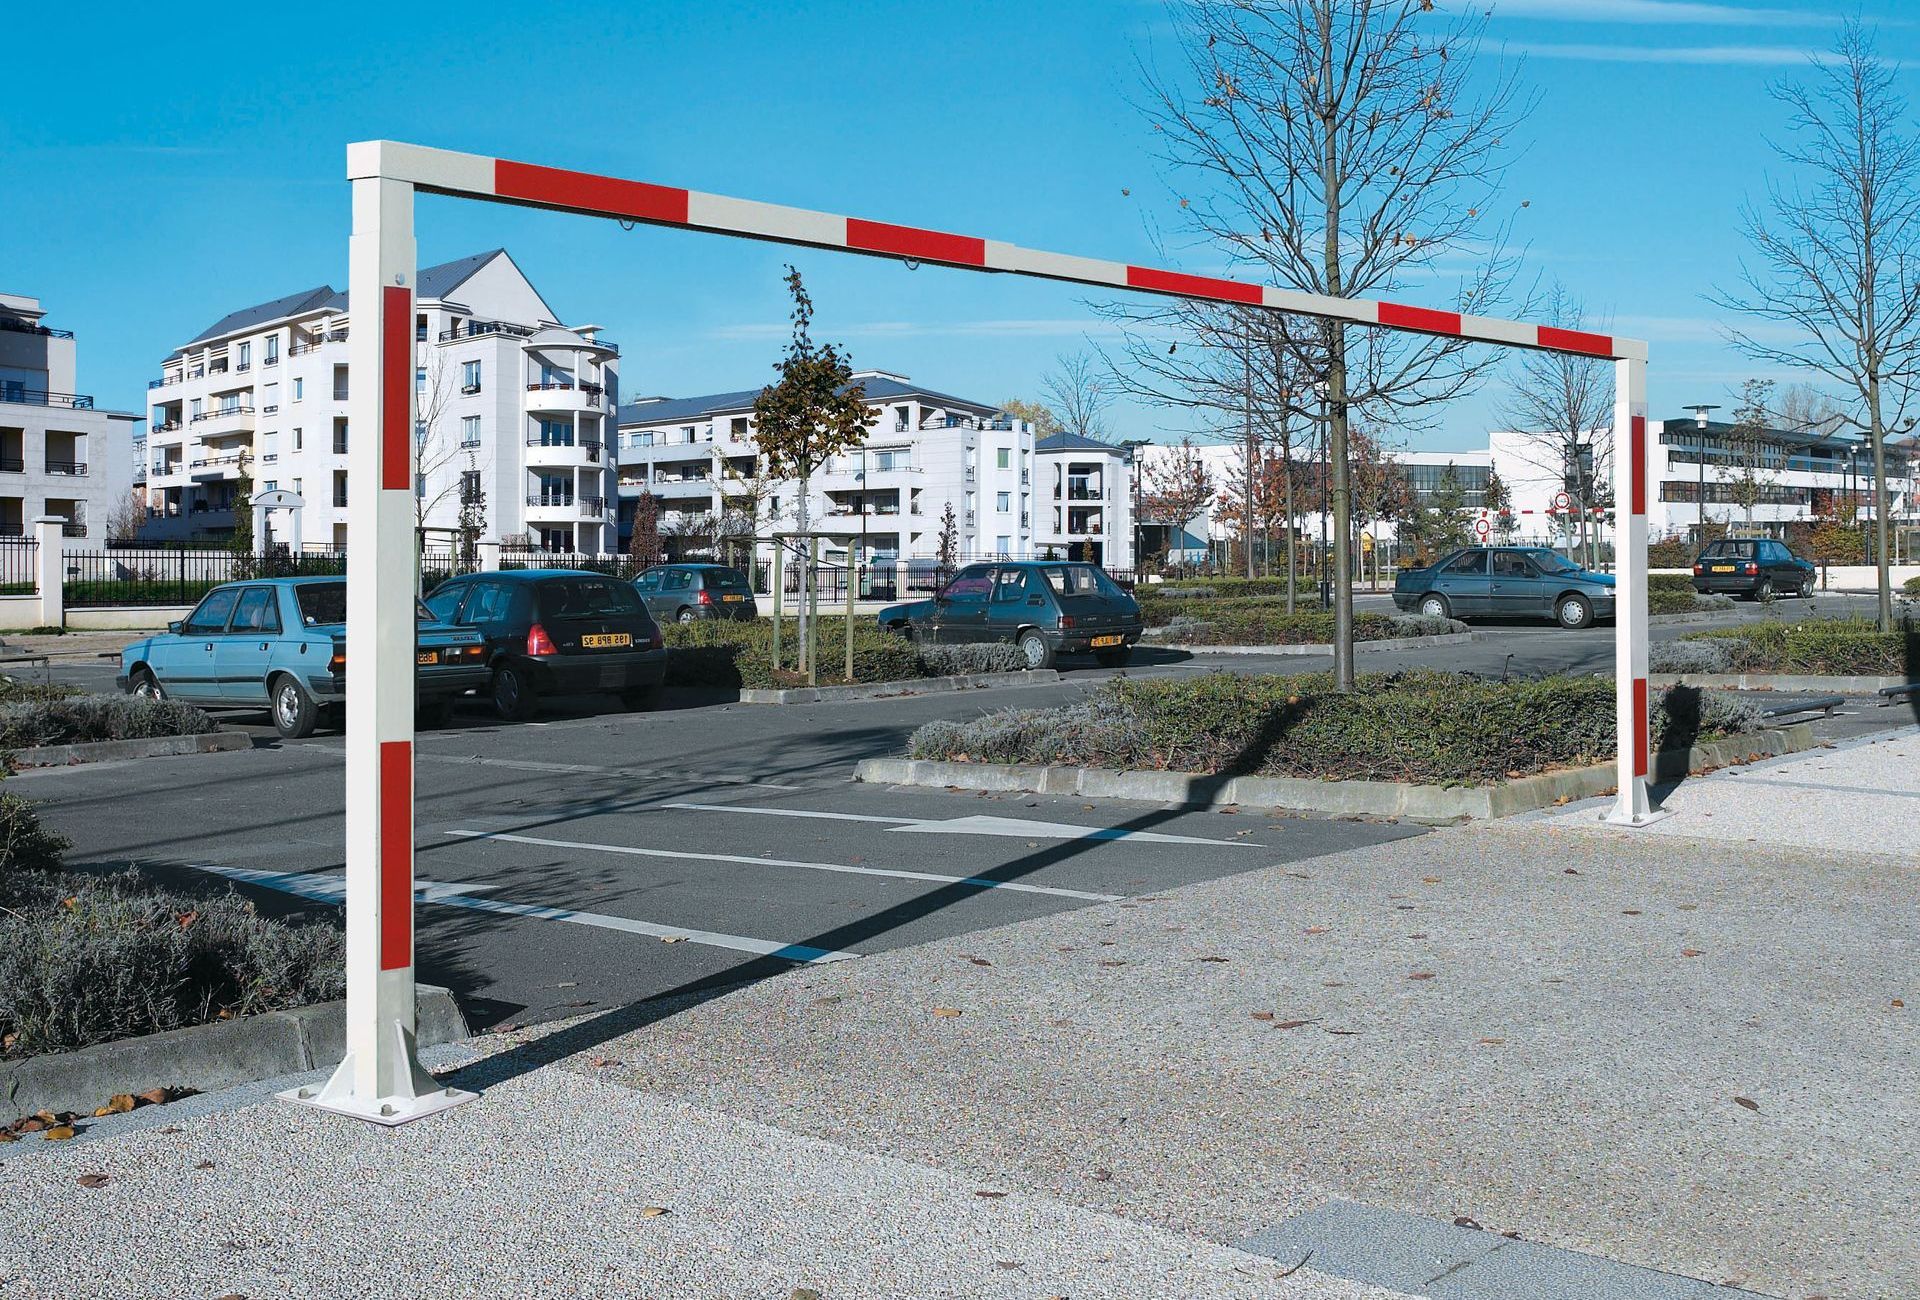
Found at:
(1758, 567)
(557, 632)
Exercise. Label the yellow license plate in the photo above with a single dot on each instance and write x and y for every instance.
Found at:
(733, 600)
(606, 640)
(427, 657)
(1108, 640)
(1723, 568)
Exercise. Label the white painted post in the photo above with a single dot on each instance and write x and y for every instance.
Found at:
(380, 1078)
(488, 553)
(259, 529)
(49, 532)
(1632, 707)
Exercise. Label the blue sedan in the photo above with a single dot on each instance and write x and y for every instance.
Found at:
(280, 644)
(1506, 582)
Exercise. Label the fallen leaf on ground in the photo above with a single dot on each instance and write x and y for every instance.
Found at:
(1747, 1102)
(1569, 872)
(1898, 1003)
(204, 1164)
(804, 1293)
(653, 1211)
(979, 961)
(1429, 880)
(1292, 1024)
(1421, 975)
(59, 1133)
(1630, 911)
(601, 1062)
(1112, 961)
(1492, 1042)
(826, 1001)
(1463, 1221)
(946, 1011)
(989, 1195)
(1692, 952)
(92, 1180)
(1209, 958)
(673, 938)
(1263, 1015)
(1316, 929)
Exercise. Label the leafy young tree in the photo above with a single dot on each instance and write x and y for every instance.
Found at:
(643, 547)
(1498, 499)
(240, 541)
(1045, 423)
(1343, 147)
(947, 546)
(1176, 487)
(473, 512)
(1448, 525)
(1837, 259)
(1751, 447)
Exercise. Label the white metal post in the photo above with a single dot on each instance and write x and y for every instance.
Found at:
(1632, 708)
(380, 1078)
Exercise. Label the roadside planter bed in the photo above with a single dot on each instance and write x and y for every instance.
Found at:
(1421, 744)
(55, 729)
(739, 656)
(1673, 593)
(1264, 621)
(1851, 647)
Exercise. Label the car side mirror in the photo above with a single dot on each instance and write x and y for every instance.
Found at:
(174, 627)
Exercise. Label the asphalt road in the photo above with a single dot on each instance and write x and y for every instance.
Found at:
(598, 858)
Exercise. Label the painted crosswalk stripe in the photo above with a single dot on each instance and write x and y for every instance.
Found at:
(680, 855)
(1009, 827)
(332, 888)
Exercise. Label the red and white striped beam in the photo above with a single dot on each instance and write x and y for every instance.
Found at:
(502, 180)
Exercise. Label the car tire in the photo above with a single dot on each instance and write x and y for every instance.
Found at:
(1434, 605)
(1036, 650)
(145, 685)
(295, 716)
(1574, 613)
(640, 699)
(1763, 589)
(686, 615)
(512, 694)
(1114, 658)
(1806, 587)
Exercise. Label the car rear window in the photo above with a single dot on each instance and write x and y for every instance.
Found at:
(731, 579)
(1732, 550)
(1079, 580)
(588, 598)
(321, 602)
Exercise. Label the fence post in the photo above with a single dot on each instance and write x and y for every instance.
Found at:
(778, 546)
(50, 545)
(180, 577)
(489, 554)
(812, 597)
(853, 575)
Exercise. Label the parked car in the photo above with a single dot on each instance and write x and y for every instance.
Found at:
(1506, 582)
(556, 632)
(685, 593)
(280, 644)
(1046, 607)
(1757, 567)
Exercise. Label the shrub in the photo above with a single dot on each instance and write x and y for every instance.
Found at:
(739, 656)
(1670, 554)
(1221, 587)
(1845, 647)
(97, 717)
(981, 657)
(84, 959)
(1428, 727)
(1426, 625)
(1911, 586)
(1670, 582)
(18, 690)
(1696, 656)
(25, 845)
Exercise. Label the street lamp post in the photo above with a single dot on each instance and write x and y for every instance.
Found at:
(1700, 411)
(1133, 446)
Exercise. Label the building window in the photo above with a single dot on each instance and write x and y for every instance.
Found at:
(340, 489)
(299, 442)
(195, 407)
(339, 383)
(420, 384)
(420, 328)
(1003, 501)
(469, 431)
(339, 437)
(243, 356)
(470, 376)
(469, 486)
(1003, 543)
(299, 388)
(1000, 460)
(273, 350)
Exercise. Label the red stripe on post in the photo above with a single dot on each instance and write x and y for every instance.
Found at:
(606, 196)
(1639, 726)
(1637, 471)
(1424, 319)
(396, 388)
(396, 854)
(911, 241)
(1592, 345)
(1194, 286)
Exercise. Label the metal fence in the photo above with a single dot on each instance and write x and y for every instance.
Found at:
(614, 566)
(19, 566)
(179, 575)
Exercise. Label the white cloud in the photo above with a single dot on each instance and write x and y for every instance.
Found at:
(1654, 11)
(1735, 55)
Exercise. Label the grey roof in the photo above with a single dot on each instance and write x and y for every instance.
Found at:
(1064, 441)
(432, 282)
(877, 387)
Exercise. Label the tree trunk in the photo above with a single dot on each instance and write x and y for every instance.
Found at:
(1878, 433)
(1250, 507)
(1293, 535)
(806, 574)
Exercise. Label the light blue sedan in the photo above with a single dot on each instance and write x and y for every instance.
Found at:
(280, 644)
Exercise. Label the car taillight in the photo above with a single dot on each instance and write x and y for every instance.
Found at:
(1066, 620)
(538, 642)
(706, 597)
(656, 641)
(1699, 569)
(337, 664)
(1751, 569)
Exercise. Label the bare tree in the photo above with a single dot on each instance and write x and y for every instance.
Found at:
(434, 447)
(1079, 391)
(1560, 407)
(643, 547)
(1806, 408)
(1342, 147)
(127, 517)
(1752, 448)
(1176, 487)
(1837, 259)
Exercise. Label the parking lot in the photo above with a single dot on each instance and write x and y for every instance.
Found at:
(596, 857)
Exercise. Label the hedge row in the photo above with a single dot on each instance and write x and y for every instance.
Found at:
(1426, 727)
(740, 655)
(84, 718)
(1229, 623)
(1836, 646)
(1190, 588)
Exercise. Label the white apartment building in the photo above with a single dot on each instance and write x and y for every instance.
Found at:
(1800, 475)
(510, 402)
(60, 454)
(1086, 500)
(882, 502)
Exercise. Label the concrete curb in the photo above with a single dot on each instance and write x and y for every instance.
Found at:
(1319, 647)
(909, 686)
(205, 1057)
(100, 751)
(1425, 803)
(1777, 682)
(1697, 616)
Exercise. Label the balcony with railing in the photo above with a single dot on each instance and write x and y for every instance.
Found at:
(14, 325)
(207, 469)
(42, 397)
(549, 449)
(13, 465)
(222, 420)
(474, 329)
(562, 395)
(318, 341)
(68, 468)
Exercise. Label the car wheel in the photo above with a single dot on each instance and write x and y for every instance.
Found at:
(294, 713)
(1763, 589)
(1038, 653)
(512, 694)
(144, 685)
(1574, 612)
(686, 615)
(1806, 587)
(1434, 605)
(638, 699)
(1114, 658)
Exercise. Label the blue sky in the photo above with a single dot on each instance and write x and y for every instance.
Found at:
(163, 168)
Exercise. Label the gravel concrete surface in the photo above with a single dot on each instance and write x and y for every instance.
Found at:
(551, 1186)
(1569, 1071)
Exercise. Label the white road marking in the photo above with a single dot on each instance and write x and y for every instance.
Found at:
(974, 882)
(1012, 827)
(332, 889)
(590, 769)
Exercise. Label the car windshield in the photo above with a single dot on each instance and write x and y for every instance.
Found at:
(324, 603)
(1553, 562)
(587, 598)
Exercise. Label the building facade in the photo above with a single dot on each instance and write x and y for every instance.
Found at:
(60, 452)
(511, 406)
(1701, 469)
(881, 503)
(1086, 500)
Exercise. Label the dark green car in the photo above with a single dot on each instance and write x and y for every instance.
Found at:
(1046, 607)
